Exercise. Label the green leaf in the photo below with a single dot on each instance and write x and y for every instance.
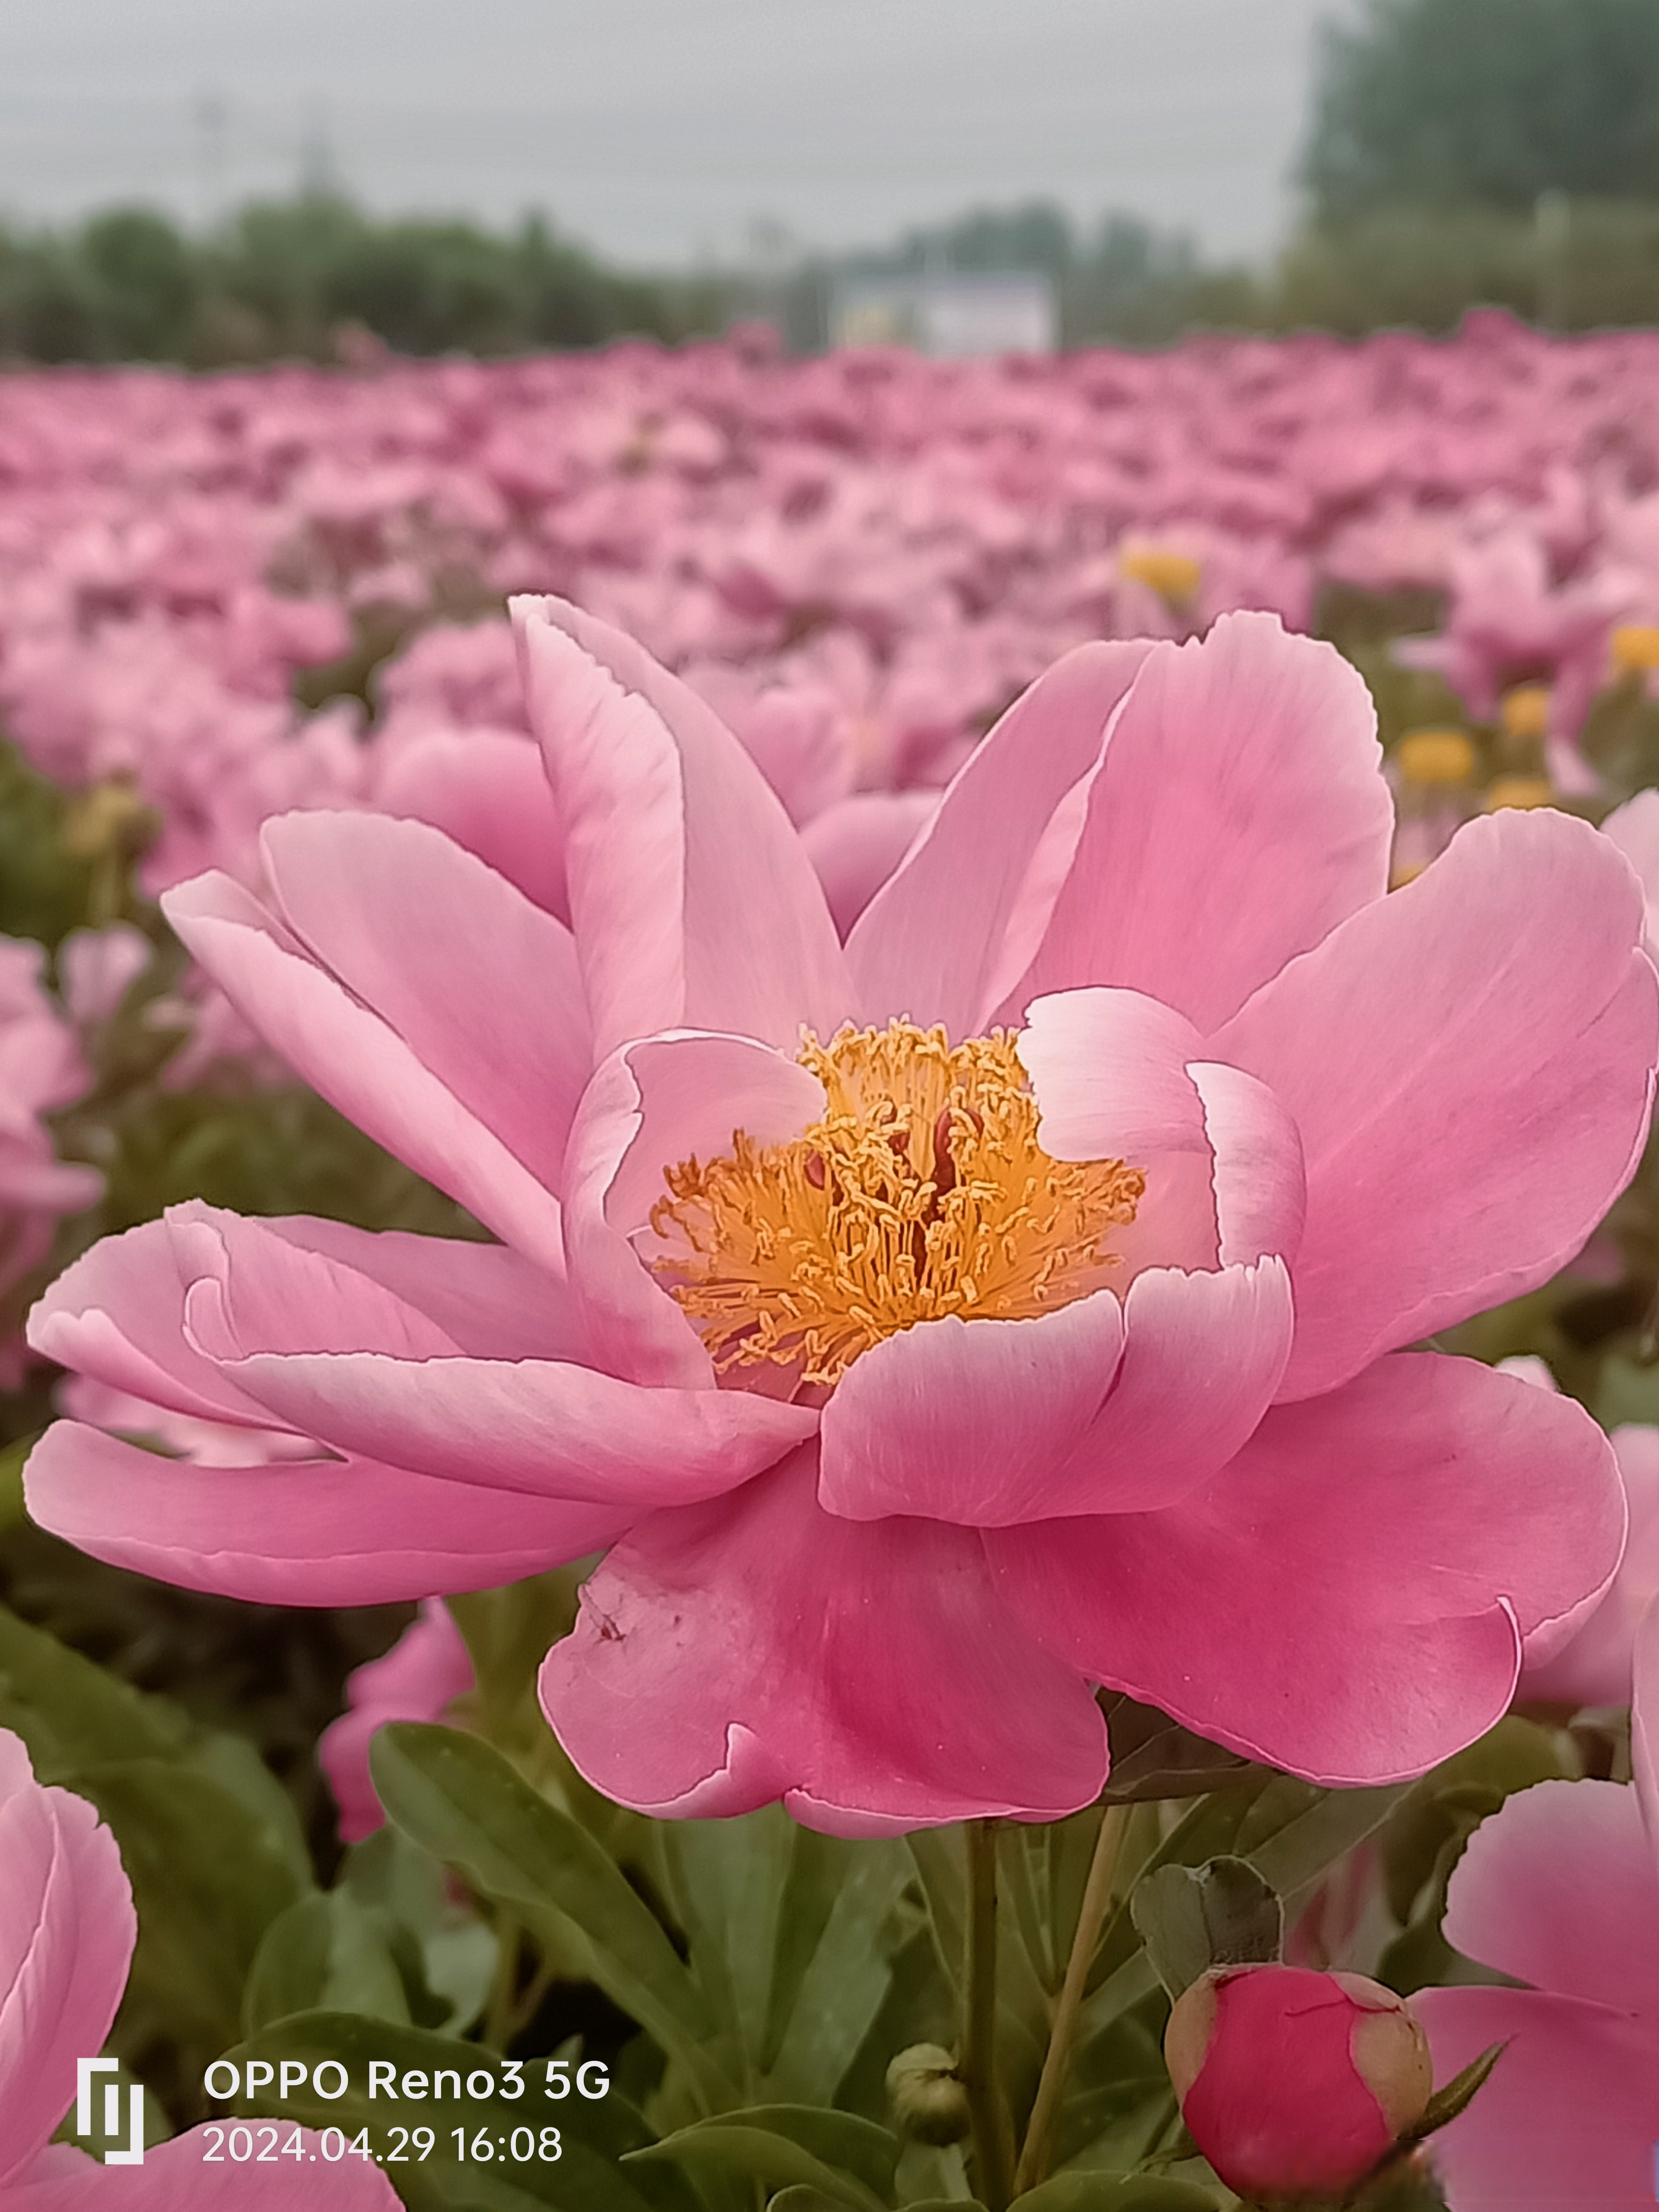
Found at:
(323, 1955)
(73, 1715)
(596, 2134)
(1192, 1918)
(792, 1937)
(1116, 2192)
(448, 1978)
(206, 1884)
(939, 1864)
(463, 1801)
(1153, 1756)
(782, 2145)
(12, 1456)
(1295, 1831)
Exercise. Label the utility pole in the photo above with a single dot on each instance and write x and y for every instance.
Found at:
(212, 130)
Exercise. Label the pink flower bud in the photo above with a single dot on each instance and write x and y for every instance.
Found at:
(1294, 2085)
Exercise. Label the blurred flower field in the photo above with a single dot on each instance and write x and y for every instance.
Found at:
(233, 599)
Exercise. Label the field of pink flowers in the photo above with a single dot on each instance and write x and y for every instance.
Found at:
(847, 1333)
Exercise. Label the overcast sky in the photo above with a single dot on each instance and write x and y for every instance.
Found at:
(660, 130)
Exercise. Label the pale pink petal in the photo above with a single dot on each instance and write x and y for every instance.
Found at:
(969, 1421)
(1568, 2121)
(66, 1935)
(334, 1354)
(1260, 1182)
(322, 1532)
(488, 790)
(758, 1648)
(361, 1066)
(1371, 1551)
(550, 1429)
(1110, 1072)
(417, 1680)
(1560, 1889)
(693, 901)
(115, 1316)
(857, 843)
(653, 1105)
(1239, 814)
(94, 967)
(932, 944)
(991, 1423)
(1469, 1062)
(1592, 1666)
(480, 984)
(1634, 828)
(178, 2176)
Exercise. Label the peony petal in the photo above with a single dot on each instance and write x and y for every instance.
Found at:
(1110, 1072)
(1261, 1181)
(481, 985)
(1569, 2119)
(1239, 814)
(1469, 1062)
(361, 1066)
(419, 1679)
(1559, 1888)
(1371, 1551)
(1592, 1666)
(320, 1532)
(1634, 828)
(488, 790)
(991, 1423)
(969, 1421)
(551, 1430)
(757, 1648)
(674, 846)
(855, 845)
(932, 944)
(652, 1106)
(67, 1931)
(116, 1315)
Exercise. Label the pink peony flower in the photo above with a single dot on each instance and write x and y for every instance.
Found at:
(40, 1066)
(419, 1680)
(1295, 2085)
(67, 1929)
(1593, 1668)
(1560, 1890)
(1006, 1303)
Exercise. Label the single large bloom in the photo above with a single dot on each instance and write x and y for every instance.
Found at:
(66, 1937)
(937, 1326)
(1560, 1890)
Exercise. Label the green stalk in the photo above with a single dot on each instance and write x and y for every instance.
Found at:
(1092, 1919)
(993, 2151)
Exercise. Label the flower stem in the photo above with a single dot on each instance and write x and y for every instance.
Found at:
(1096, 1902)
(993, 2151)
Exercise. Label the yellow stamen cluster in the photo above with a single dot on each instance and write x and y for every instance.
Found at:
(1173, 576)
(922, 1192)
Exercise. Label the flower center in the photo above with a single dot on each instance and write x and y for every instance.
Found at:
(922, 1192)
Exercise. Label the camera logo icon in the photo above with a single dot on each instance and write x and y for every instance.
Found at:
(133, 2155)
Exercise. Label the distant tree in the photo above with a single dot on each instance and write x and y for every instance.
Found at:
(1485, 103)
(142, 283)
